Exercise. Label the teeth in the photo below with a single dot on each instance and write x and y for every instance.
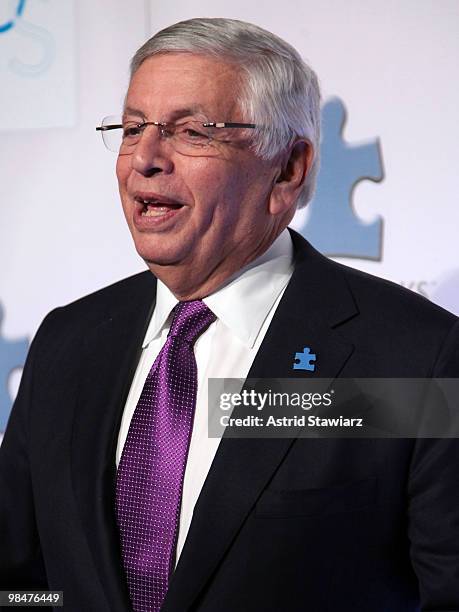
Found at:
(158, 211)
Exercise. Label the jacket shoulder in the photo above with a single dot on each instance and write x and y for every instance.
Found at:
(374, 297)
(386, 300)
(101, 305)
(399, 326)
(392, 328)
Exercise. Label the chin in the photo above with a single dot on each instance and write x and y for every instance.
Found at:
(158, 257)
(162, 250)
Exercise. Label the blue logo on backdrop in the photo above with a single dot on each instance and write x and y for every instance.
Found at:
(12, 355)
(332, 225)
(4, 27)
(38, 34)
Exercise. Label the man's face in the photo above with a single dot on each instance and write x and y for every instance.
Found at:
(209, 209)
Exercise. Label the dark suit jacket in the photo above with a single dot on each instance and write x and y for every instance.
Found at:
(281, 524)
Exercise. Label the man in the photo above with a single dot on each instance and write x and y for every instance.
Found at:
(112, 490)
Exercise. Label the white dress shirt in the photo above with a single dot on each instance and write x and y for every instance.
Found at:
(244, 308)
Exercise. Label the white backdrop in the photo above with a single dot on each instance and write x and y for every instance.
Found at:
(64, 65)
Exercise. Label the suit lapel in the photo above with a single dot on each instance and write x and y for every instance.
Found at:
(111, 352)
(315, 303)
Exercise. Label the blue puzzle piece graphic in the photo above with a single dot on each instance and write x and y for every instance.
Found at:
(303, 361)
(12, 355)
(9, 23)
(332, 225)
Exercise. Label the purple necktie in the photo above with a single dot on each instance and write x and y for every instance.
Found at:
(150, 474)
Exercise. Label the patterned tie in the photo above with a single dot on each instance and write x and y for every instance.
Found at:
(150, 474)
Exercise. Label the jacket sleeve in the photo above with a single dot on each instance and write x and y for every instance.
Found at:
(433, 504)
(21, 562)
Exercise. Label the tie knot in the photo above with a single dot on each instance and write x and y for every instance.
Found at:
(190, 320)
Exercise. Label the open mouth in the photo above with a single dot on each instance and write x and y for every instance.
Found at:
(154, 207)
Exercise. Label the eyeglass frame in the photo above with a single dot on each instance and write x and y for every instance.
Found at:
(163, 124)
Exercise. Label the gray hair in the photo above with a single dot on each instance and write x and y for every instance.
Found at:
(280, 92)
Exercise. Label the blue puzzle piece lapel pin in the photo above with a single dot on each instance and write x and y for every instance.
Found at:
(303, 361)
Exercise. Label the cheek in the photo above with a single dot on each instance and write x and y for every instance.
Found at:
(122, 171)
(122, 174)
(204, 182)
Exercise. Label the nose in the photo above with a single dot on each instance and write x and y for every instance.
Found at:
(151, 155)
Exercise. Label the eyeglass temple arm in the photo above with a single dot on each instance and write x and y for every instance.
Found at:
(104, 128)
(230, 125)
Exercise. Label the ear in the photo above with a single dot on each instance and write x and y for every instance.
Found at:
(294, 168)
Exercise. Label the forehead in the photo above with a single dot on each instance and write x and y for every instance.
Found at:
(175, 82)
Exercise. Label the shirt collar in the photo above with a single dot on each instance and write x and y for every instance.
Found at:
(165, 303)
(244, 302)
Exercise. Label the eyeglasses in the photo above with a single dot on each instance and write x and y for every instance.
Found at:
(187, 137)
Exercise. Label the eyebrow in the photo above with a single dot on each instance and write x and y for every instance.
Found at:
(175, 114)
(129, 110)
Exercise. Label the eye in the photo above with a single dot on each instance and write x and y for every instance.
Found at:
(132, 130)
(192, 133)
